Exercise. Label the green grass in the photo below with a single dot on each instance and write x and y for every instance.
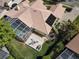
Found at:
(45, 47)
(21, 51)
(47, 57)
(10, 57)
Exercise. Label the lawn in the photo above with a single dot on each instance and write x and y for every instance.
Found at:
(10, 57)
(21, 51)
(47, 57)
(45, 47)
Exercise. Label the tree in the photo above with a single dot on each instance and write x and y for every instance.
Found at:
(6, 32)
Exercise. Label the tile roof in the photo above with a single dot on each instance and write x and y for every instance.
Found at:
(58, 11)
(38, 4)
(32, 17)
(74, 44)
(35, 16)
(35, 20)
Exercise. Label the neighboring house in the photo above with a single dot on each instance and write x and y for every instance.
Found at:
(71, 15)
(63, 13)
(72, 49)
(74, 44)
(68, 54)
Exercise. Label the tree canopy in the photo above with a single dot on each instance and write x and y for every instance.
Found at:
(6, 32)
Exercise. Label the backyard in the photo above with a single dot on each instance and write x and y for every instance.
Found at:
(20, 51)
(45, 47)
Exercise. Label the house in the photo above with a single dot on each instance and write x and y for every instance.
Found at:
(32, 14)
(73, 44)
(67, 54)
(71, 15)
(32, 23)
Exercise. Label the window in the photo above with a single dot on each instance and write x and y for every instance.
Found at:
(16, 23)
(21, 27)
(18, 32)
(50, 20)
(26, 30)
(13, 20)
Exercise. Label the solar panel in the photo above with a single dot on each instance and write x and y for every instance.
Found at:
(50, 20)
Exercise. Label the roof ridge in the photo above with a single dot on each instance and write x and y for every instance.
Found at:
(44, 22)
